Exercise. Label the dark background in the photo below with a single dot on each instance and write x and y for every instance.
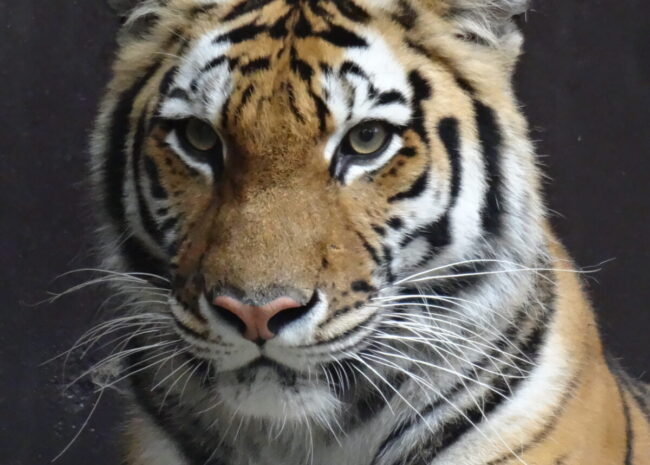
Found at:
(584, 81)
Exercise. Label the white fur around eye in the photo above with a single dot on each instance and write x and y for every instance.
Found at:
(355, 171)
(204, 168)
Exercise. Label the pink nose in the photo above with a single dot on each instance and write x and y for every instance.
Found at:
(256, 319)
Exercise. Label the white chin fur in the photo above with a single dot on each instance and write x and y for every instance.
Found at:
(267, 395)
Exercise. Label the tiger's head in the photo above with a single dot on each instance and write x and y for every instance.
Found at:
(288, 167)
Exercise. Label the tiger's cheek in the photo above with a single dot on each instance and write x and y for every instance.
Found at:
(186, 195)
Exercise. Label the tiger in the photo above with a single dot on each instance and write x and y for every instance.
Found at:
(328, 221)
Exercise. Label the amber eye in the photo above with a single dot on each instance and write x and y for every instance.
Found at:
(200, 135)
(367, 138)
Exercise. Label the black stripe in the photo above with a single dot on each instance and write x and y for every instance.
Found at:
(321, 111)
(529, 345)
(490, 137)
(454, 285)
(370, 249)
(342, 37)
(416, 189)
(244, 7)
(406, 16)
(548, 428)
(213, 64)
(193, 12)
(637, 389)
(279, 29)
(259, 64)
(301, 67)
(455, 429)
(175, 421)
(407, 152)
(292, 102)
(352, 11)
(224, 111)
(241, 34)
(629, 432)
(246, 96)
(148, 222)
(376, 400)
(362, 286)
(115, 163)
(390, 97)
(179, 93)
(448, 132)
(156, 189)
(168, 225)
(167, 80)
(395, 223)
(421, 91)
(349, 67)
(114, 168)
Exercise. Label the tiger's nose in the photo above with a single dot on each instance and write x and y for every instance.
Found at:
(259, 324)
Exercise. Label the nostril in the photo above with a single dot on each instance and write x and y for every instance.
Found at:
(288, 316)
(261, 323)
(231, 318)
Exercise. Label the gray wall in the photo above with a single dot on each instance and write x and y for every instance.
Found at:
(584, 82)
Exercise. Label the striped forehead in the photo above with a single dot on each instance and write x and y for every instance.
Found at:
(364, 81)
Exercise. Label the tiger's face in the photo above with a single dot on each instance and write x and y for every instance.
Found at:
(287, 163)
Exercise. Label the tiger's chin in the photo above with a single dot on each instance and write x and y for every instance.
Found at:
(267, 391)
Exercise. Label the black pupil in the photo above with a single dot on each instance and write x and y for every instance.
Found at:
(367, 134)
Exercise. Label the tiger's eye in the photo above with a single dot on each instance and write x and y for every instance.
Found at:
(200, 135)
(368, 138)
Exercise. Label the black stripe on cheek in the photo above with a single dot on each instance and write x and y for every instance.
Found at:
(448, 132)
(421, 91)
(341, 37)
(490, 137)
(114, 167)
(416, 189)
(370, 249)
(156, 189)
(148, 222)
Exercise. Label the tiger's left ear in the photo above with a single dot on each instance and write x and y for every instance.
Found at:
(488, 22)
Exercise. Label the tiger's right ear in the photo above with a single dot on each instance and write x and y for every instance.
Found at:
(124, 7)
